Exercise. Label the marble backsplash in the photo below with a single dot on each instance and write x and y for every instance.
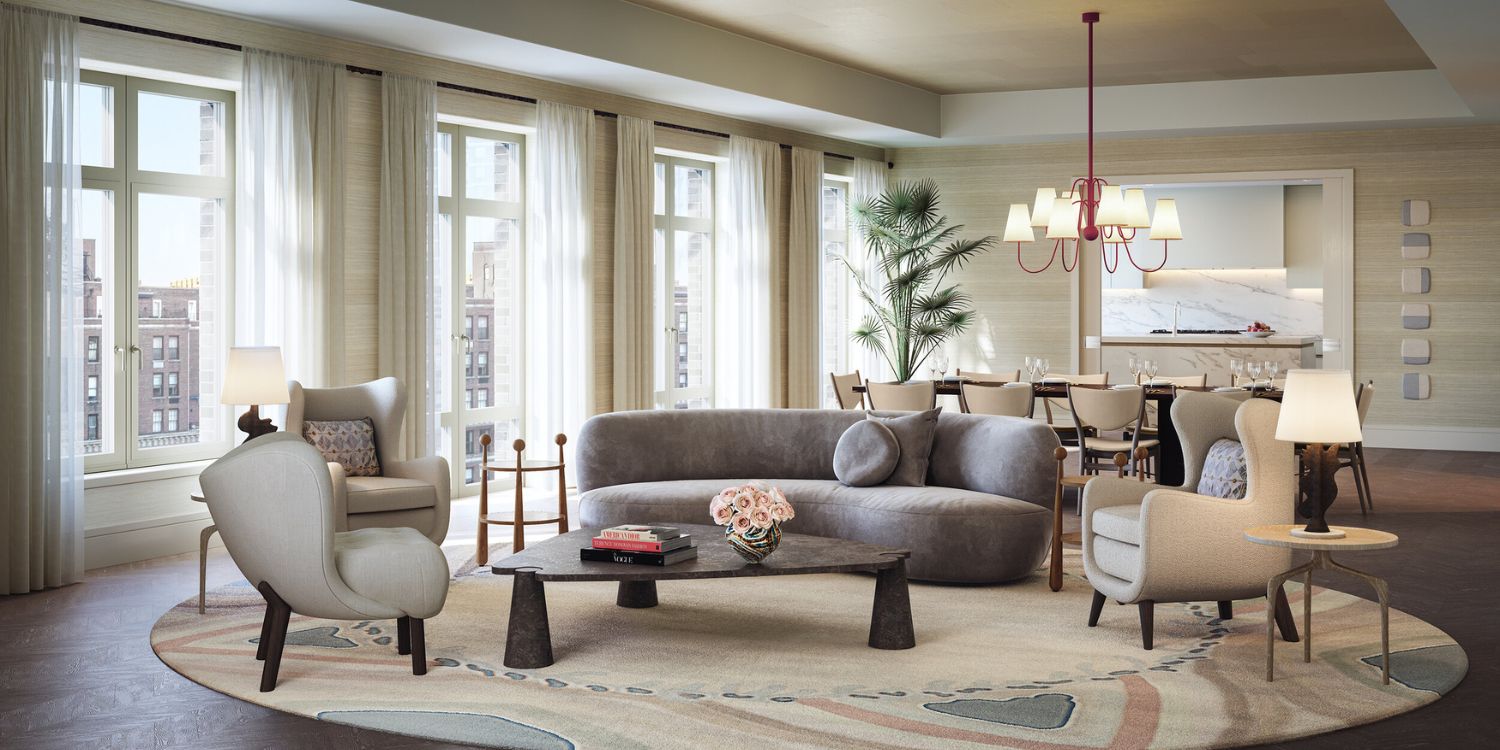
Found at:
(1215, 299)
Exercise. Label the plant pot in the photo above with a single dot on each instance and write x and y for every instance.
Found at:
(754, 545)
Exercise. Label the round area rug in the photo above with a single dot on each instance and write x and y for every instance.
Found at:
(782, 662)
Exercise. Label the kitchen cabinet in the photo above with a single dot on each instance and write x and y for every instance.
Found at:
(1236, 226)
(1304, 236)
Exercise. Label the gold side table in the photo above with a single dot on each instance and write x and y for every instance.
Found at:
(519, 518)
(1354, 539)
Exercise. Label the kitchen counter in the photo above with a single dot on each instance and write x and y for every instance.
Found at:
(1211, 353)
(1209, 339)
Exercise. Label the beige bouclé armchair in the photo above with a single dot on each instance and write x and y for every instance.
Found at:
(413, 493)
(1144, 543)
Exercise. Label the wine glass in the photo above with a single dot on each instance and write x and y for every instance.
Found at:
(1271, 369)
(1150, 368)
(1254, 369)
(1042, 365)
(1237, 371)
(1135, 369)
(1031, 368)
(940, 362)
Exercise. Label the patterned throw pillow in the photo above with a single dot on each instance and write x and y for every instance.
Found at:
(1224, 473)
(349, 443)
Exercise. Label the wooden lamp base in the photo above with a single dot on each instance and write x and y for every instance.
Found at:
(1317, 490)
(253, 425)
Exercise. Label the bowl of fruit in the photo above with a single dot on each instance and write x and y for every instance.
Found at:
(1258, 330)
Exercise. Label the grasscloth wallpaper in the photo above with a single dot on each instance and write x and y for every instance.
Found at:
(1457, 169)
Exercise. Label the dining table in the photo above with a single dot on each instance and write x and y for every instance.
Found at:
(1169, 468)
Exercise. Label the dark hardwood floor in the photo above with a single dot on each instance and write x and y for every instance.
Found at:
(77, 671)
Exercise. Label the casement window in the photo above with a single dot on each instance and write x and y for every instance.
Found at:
(836, 288)
(480, 184)
(683, 264)
(156, 233)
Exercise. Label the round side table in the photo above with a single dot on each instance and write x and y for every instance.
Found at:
(519, 518)
(1354, 539)
(203, 536)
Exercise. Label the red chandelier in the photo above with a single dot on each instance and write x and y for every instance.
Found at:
(1093, 210)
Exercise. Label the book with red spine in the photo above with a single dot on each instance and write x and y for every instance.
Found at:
(640, 546)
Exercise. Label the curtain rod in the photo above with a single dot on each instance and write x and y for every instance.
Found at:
(375, 72)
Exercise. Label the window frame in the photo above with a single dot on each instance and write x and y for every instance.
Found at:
(120, 355)
(843, 357)
(664, 352)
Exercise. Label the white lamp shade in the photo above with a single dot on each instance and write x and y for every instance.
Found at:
(1164, 225)
(1318, 407)
(255, 376)
(1135, 209)
(1062, 224)
(1018, 225)
(1112, 211)
(1042, 208)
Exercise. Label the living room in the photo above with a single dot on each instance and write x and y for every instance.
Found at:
(987, 312)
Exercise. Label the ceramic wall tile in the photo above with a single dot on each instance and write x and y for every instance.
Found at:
(1416, 316)
(1415, 213)
(1416, 280)
(1416, 245)
(1416, 351)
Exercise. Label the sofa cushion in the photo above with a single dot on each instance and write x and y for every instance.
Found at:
(866, 454)
(1118, 559)
(914, 433)
(1121, 523)
(378, 494)
(347, 442)
(397, 567)
(1224, 471)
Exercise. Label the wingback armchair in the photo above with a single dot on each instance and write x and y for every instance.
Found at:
(272, 500)
(412, 493)
(1144, 543)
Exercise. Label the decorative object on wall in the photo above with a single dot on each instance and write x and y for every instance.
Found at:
(1415, 213)
(1416, 245)
(1093, 209)
(1416, 386)
(1416, 316)
(1415, 280)
(1416, 351)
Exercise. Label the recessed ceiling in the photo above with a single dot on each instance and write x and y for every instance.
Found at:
(968, 46)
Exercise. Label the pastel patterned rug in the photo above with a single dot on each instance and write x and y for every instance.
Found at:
(782, 662)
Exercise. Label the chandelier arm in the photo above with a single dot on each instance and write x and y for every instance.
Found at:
(1050, 261)
(1076, 253)
(1143, 269)
(1104, 259)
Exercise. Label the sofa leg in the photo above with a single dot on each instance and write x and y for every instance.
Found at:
(1148, 611)
(403, 635)
(276, 640)
(1095, 608)
(1226, 610)
(418, 646)
(1284, 620)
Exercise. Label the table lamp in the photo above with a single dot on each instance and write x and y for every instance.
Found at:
(1318, 409)
(254, 376)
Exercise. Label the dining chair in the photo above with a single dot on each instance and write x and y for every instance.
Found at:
(1353, 454)
(843, 390)
(1176, 381)
(996, 399)
(919, 396)
(1056, 409)
(990, 377)
(1107, 410)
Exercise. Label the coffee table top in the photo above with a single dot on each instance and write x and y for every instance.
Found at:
(556, 559)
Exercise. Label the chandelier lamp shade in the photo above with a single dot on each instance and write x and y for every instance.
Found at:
(1093, 211)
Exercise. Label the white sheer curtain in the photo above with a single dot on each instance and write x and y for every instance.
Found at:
(41, 299)
(289, 270)
(635, 192)
(410, 341)
(804, 263)
(559, 199)
(869, 183)
(742, 344)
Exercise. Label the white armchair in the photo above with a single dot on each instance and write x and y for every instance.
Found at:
(1143, 543)
(413, 493)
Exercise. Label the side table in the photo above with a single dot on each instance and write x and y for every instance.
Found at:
(203, 537)
(1279, 535)
(518, 519)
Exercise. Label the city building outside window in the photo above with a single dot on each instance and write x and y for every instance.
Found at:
(156, 387)
(172, 385)
(835, 288)
(156, 420)
(173, 351)
(93, 348)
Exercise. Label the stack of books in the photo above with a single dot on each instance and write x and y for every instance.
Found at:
(640, 545)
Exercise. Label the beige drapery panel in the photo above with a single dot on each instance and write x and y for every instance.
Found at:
(803, 264)
(635, 296)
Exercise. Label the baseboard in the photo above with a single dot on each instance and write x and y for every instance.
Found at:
(101, 550)
(1485, 439)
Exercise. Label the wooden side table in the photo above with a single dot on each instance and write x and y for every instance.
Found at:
(1279, 535)
(518, 519)
(203, 536)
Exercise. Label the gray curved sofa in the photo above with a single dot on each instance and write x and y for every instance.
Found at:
(984, 517)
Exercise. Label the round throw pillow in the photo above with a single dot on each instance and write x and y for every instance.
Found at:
(866, 454)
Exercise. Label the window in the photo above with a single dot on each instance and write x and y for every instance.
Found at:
(683, 264)
(479, 227)
(156, 239)
(836, 288)
(93, 388)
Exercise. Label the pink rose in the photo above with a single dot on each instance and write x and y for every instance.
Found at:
(722, 514)
(762, 501)
(779, 511)
(786, 511)
(740, 523)
(744, 501)
(761, 518)
(778, 495)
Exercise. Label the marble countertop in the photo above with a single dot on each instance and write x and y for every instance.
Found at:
(1210, 339)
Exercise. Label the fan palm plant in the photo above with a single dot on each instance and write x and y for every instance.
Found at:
(914, 248)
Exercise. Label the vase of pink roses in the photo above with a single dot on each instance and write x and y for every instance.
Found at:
(751, 516)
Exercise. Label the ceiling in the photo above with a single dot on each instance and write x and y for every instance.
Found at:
(967, 46)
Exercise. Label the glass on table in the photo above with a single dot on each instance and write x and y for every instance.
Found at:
(1254, 369)
(940, 363)
(1149, 367)
(1236, 371)
(1135, 369)
(1042, 366)
(1271, 369)
(1031, 368)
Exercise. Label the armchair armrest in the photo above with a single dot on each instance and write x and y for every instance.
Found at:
(432, 470)
(1199, 542)
(1105, 492)
(340, 497)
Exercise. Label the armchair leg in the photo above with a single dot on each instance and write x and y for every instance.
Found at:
(418, 646)
(1284, 620)
(1148, 621)
(279, 614)
(1226, 610)
(403, 635)
(265, 632)
(1095, 608)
